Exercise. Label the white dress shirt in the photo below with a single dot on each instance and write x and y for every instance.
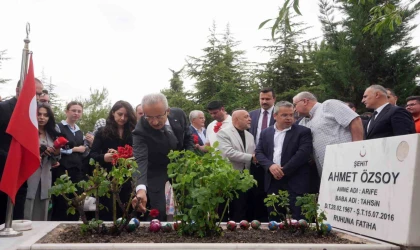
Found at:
(270, 112)
(200, 134)
(279, 136)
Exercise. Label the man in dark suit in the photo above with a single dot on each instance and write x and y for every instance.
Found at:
(160, 130)
(283, 152)
(6, 110)
(260, 119)
(387, 120)
(197, 128)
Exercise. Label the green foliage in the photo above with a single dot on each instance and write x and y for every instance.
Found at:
(100, 183)
(279, 200)
(201, 184)
(95, 106)
(349, 60)
(176, 95)
(290, 67)
(222, 73)
(311, 211)
(383, 15)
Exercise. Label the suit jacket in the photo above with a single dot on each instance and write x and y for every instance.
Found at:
(255, 116)
(6, 110)
(391, 121)
(151, 148)
(232, 147)
(194, 132)
(296, 151)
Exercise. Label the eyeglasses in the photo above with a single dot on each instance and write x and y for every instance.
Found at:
(294, 104)
(411, 105)
(158, 117)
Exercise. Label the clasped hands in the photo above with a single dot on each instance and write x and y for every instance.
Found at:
(276, 171)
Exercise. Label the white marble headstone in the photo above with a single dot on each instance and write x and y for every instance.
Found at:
(373, 188)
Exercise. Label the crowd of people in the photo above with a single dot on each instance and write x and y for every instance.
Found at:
(282, 144)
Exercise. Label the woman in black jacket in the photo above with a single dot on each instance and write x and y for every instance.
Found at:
(116, 133)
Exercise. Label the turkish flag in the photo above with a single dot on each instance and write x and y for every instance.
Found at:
(23, 157)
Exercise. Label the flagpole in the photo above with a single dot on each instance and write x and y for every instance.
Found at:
(8, 231)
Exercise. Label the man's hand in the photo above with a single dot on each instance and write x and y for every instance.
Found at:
(254, 159)
(141, 194)
(276, 171)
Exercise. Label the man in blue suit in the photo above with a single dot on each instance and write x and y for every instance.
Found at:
(283, 152)
(197, 120)
(260, 119)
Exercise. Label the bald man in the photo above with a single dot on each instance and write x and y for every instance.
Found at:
(237, 145)
(387, 120)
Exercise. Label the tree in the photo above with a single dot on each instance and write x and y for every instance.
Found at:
(48, 85)
(176, 95)
(349, 60)
(221, 73)
(383, 15)
(290, 67)
(3, 58)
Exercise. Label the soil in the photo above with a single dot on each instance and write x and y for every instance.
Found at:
(70, 233)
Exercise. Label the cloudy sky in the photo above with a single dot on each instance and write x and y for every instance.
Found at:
(127, 46)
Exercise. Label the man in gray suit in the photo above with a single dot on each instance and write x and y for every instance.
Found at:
(237, 145)
(160, 130)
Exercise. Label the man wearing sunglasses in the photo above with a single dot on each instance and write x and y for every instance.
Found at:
(158, 131)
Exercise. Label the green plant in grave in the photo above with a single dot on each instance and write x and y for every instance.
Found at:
(201, 184)
(279, 200)
(100, 183)
(311, 211)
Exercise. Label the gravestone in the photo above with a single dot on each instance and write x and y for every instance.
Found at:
(373, 188)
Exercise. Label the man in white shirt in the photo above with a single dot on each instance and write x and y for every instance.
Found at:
(284, 151)
(221, 120)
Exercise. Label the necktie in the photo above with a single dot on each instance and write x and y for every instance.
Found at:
(264, 120)
(172, 140)
(372, 120)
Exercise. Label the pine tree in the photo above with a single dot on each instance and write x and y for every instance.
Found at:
(349, 59)
(290, 67)
(3, 58)
(220, 73)
(176, 95)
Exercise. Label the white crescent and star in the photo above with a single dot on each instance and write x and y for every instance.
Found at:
(33, 112)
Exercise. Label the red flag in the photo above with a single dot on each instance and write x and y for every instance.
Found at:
(23, 157)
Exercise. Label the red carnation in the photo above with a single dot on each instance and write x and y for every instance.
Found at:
(195, 138)
(217, 127)
(115, 158)
(154, 213)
